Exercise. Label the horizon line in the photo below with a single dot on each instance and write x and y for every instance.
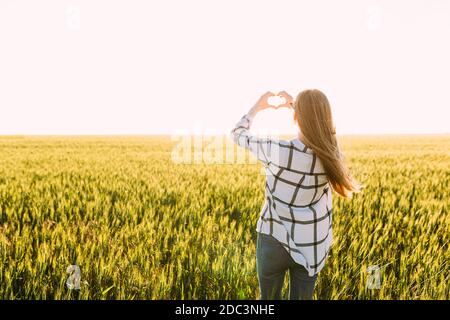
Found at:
(204, 134)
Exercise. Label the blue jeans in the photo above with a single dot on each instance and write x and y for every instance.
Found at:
(272, 261)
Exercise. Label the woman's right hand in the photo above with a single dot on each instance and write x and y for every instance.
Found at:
(289, 100)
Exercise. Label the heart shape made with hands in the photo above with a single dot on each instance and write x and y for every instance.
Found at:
(276, 101)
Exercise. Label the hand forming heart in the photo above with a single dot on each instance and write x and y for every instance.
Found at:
(276, 101)
(282, 99)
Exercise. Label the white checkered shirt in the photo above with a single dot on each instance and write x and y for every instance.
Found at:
(297, 210)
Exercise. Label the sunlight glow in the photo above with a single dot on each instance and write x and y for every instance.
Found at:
(145, 67)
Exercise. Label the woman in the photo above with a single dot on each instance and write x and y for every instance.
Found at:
(294, 230)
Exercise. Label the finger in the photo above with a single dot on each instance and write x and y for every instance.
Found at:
(264, 97)
(287, 95)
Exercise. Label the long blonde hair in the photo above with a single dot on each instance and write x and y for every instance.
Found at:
(314, 118)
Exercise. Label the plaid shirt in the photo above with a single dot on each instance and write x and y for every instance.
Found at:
(297, 210)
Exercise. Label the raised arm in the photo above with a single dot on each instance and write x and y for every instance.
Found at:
(241, 135)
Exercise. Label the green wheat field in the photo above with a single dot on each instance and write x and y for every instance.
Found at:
(140, 226)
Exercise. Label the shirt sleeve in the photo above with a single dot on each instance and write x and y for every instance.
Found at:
(258, 146)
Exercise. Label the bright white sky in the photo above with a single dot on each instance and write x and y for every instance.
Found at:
(142, 67)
